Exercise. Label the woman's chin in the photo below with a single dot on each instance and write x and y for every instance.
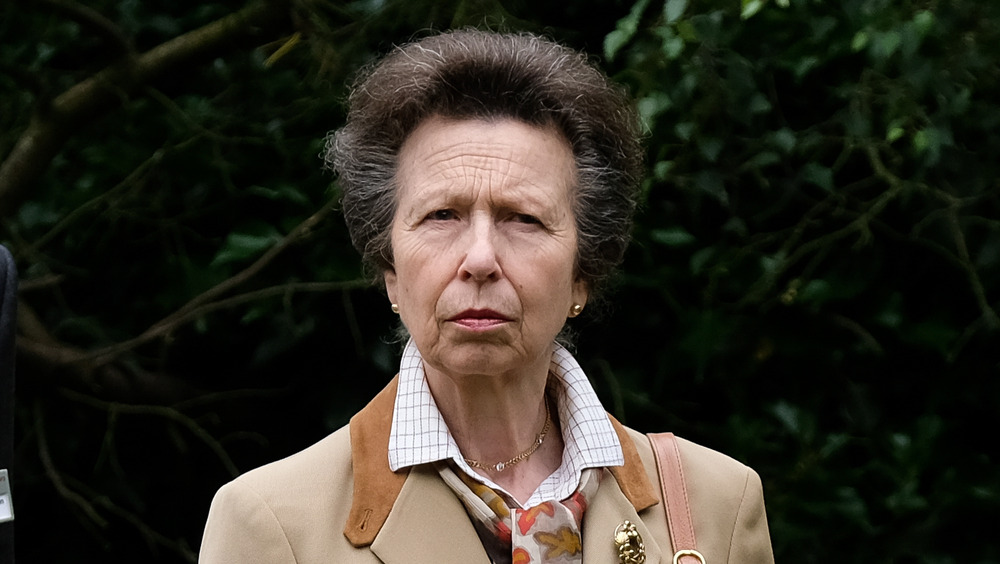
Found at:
(485, 358)
(488, 357)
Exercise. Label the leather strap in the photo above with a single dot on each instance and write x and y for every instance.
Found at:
(675, 498)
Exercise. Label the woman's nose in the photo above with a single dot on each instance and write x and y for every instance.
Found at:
(480, 262)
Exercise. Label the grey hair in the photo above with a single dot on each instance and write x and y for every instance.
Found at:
(470, 74)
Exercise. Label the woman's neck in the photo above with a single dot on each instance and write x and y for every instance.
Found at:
(495, 419)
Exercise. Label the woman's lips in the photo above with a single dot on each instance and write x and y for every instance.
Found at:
(479, 319)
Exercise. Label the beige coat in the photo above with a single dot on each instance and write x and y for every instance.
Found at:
(337, 501)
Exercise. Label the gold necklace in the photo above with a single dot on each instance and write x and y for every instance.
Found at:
(501, 466)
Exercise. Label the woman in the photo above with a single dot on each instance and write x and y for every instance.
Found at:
(490, 180)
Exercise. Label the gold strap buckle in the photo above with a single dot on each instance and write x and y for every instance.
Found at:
(695, 553)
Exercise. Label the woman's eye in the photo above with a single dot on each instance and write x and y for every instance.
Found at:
(441, 215)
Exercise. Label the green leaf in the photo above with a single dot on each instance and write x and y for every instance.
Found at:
(674, 9)
(736, 226)
(671, 44)
(907, 499)
(886, 44)
(895, 130)
(712, 183)
(751, 7)
(651, 106)
(857, 123)
(834, 443)
(921, 141)
(783, 139)
(624, 31)
(673, 237)
(759, 104)
(710, 147)
(771, 264)
(819, 175)
(928, 142)
(859, 41)
(255, 312)
(285, 191)
(804, 65)
(242, 245)
(891, 314)
(700, 259)
(924, 21)
(661, 170)
(788, 415)
(687, 31)
(815, 292)
(763, 159)
(684, 129)
(614, 41)
(36, 214)
(852, 505)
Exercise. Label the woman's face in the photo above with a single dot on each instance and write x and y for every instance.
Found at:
(484, 242)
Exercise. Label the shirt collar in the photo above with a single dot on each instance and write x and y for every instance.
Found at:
(419, 434)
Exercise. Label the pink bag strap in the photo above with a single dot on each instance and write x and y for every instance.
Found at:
(675, 498)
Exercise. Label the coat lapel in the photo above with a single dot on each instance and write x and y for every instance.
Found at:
(428, 524)
(610, 508)
(425, 522)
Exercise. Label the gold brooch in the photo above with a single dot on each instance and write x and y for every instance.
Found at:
(629, 543)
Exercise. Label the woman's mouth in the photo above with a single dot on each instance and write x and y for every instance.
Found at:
(479, 319)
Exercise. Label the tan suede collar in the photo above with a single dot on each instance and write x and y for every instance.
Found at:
(376, 486)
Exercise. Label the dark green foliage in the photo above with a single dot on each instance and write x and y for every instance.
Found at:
(821, 235)
(813, 286)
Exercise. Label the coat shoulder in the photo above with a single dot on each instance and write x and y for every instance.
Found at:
(317, 466)
(725, 498)
(269, 514)
(703, 467)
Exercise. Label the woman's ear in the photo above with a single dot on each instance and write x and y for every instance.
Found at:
(581, 291)
(389, 276)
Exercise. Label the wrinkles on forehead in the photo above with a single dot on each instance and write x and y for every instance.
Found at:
(486, 166)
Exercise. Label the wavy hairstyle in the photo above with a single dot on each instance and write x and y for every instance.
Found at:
(470, 74)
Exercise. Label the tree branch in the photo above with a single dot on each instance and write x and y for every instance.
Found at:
(175, 320)
(36, 342)
(55, 477)
(859, 225)
(989, 314)
(47, 133)
(203, 303)
(151, 536)
(92, 19)
(160, 411)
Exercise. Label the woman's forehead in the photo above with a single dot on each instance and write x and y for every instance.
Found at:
(506, 159)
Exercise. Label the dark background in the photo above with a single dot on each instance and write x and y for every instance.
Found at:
(813, 286)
